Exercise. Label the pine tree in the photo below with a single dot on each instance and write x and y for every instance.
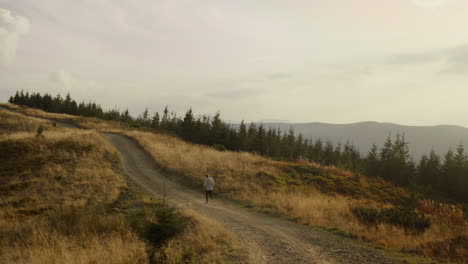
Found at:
(275, 147)
(350, 158)
(155, 121)
(402, 164)
(243, 137)
(125, 116)
(188, 125)
(251, 135)
(299, 148)
(67, 104)
(386, 157)
(447, 180)
(288, 145)
(429, 170)
(144, 119)
(328, 154)
(373, 163)
(203, 125)
(459, 173)
(260, 141)
(217, 129)
(318, 152)
(165, 119)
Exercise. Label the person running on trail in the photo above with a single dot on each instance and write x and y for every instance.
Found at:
(209, 183)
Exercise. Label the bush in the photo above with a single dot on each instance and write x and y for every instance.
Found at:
(325, 185)
(39, 131)
(219, 147)
(158, 223)
(411, 221)
(169, 223)
(368, 216)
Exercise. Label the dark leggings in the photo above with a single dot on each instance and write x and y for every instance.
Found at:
(210, 193)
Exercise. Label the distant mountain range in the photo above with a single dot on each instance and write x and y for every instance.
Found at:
(421, 138)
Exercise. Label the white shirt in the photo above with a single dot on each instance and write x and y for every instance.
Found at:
(209, 183)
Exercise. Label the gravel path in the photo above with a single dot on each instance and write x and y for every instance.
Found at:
(269, 239)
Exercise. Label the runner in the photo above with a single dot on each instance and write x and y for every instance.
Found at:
(209, 183)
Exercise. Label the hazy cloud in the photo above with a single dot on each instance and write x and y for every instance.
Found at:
(270, 120)
(236, 93)
(279, 76)
(11, 30)
(431, 3)
(61, 78)
(414, 58)
(302, 61)
(452, 60)
(457, 60)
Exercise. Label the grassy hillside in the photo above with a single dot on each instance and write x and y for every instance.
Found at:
(64, 199)
(319, 196)
(359, 207)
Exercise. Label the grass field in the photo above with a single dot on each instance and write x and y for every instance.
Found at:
(310, 194)
(64, 199)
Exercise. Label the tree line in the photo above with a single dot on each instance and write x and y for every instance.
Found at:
(446, 176)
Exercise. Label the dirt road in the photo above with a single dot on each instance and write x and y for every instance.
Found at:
(268, 239)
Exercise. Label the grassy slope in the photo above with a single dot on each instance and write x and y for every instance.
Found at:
(307, 193)
(64, 199)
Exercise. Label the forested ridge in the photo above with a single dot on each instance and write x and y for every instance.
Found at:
(445, 176)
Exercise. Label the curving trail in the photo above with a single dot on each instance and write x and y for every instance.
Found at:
(268, 239)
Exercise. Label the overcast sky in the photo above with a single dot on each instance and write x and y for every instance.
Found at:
(335, 61)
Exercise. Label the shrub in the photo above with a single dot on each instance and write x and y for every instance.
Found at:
(169, 223)
(368, 216)
(325, 185)
(443, 212)
(409, 220)
(158, 223)
(39, 131)
(219, 147)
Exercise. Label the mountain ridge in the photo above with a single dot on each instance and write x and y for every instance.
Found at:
(354, 123)
(421, 139)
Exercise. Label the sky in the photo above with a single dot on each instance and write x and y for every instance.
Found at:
(333, 61)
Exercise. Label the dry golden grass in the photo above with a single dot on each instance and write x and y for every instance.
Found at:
(37, 112)
(263, 183)
(54, 194)
(331, 169)
(79, 121)
(324, 210)
(230, 169)
(239, 176)
(43, 175)
(98, 124)
(12, 122)
(204, 242)
(73, 239)
(58, 169)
